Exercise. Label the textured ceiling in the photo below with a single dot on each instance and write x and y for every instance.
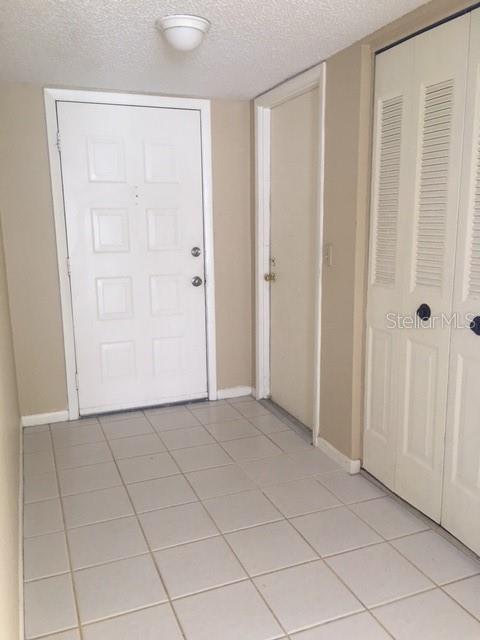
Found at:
(113, 44)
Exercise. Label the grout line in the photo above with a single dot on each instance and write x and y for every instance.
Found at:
(150, 552)
(69, 557)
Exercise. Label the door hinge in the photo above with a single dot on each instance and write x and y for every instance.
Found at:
(69, 267)
(77, 384)
(58, 142)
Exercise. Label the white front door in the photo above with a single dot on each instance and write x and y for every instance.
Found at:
(132, 182)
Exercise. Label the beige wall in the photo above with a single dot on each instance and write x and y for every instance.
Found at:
(9, 474)
(232, 210)
(347, 175)
(25, 199)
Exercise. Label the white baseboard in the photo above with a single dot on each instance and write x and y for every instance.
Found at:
(234, 392)
(44, 418)
(349, 465)
(21, 634)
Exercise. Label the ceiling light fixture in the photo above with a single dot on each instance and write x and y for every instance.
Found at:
(183, 32)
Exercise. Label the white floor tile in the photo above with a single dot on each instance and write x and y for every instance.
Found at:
(190, 437)
(440, 560)
(361, 626)
(83, 455)
(252, 409)
(428, 616)
(155, 465)
(42, 517)
(122, 428)
(241, 510)
(34, 442)
(378, 574)
(269, 423)
(173, 420)
(306, 595)
(300, 496)
(38, 463)
(82, 479)
(177, 525)
(273, 470)
(389, 518)
(40, 487)
(134, 446)
(154, 623)
(49, 606)
(210, 483)
(172, 408)
(73, 634)
(251, 448)
(117, 587)
(269, 547)
(238, 399)
(121, 415)
(45, 556)
(314, 462)
(335, 531)
(105, 541)
(350, 489)
(198, 566)
(96, 506)
(467, 593)
(235, 612)
(232, 430)
(290, 441)
(160, 493)
(209, 414)
(72, 436)
(194, 458)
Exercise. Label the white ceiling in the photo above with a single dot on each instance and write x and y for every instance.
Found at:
(113, 44)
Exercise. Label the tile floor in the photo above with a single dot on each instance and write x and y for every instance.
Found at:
(219, 520)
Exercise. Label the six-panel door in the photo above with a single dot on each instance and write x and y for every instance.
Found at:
(132, 180)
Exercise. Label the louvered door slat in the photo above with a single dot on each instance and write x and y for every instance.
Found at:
(388, 190)
(433, 188)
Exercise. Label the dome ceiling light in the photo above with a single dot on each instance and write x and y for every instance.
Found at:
(183, 32)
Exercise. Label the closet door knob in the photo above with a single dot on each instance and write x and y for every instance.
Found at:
(424, 312)
(475, 325)
(196, 281)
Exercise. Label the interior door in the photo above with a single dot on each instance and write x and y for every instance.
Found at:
(294, 171)
(461, 505)
(132, 181)
(386, 280)
(434, 132)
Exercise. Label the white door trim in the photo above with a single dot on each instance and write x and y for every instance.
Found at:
(298, 85)
(52, 96)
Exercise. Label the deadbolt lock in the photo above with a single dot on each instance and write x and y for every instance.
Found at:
(270, 277)
(196, 251)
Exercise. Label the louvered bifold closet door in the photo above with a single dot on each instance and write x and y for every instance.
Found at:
(461, 506)
(392, 100)
(428, 243)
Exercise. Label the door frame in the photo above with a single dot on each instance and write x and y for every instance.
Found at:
(306, 81)
(52, 96)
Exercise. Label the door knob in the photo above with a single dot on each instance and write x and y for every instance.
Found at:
(196, 251)
(270, 277)
(424, 312)
(196, 281)
(475, 325)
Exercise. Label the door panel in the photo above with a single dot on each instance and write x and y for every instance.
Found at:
(461, 499)
(435, 134)
(133, 201)
(390, 147)
(294, 171)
